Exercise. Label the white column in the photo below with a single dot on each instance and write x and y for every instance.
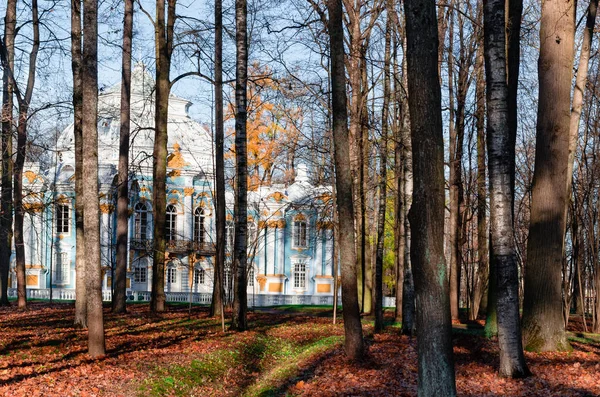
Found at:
(105, 238)
(280, 250)
(188, 218)
(270, 265)
(260, 250)
(328, 251)
(318, 261)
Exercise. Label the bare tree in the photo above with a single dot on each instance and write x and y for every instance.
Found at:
(119, 297)
(434, 328)
(91, 222)
(354, 344)
(543, 324)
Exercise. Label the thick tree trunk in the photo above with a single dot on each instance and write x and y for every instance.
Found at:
(240, 305)
(354, 344)
(91, 222)
(6, 201)
(164, 47)
(120, 296)
(434, 328)
(216, 307)
(504, 254)
(543, 325)
(76, 67)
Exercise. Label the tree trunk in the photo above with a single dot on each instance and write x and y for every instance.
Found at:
(91, 222)
(240, 305)
(482, 275)
(504, 254)
(383, 173)
(354, 344)
(120, 290)
(543, 325)
(76, 67)
(6, 201)
(434, 328)
(216, 307)
(164, 48)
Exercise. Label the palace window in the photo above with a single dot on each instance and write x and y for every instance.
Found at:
(62, 268)
(140, 221)
(62, 218)
(171, 275)
(252, 235)
(300, 234)
(200, 232)
(229, 231)
(140, 274)
(299, 275)
(227, 274)
(199, 276)
(251, 276)
(171, 223)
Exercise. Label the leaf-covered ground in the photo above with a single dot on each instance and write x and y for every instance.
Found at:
(288, 351)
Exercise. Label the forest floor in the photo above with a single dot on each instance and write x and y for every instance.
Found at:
(288, 351)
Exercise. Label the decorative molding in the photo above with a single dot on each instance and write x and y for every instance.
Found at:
(30, 176)
(35, 207)
(175, 159)
(277, 196)
(107, 208)
(188, 191)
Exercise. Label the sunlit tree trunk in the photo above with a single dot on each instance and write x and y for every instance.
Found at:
(76, 68)
(216, 307)
(354, 344)
(120, 297)
(543, 325)
(240, 305)
(24, 99)
(164, 49)
(434, 328)
(6, 200)
(91, 222)
(501, 171)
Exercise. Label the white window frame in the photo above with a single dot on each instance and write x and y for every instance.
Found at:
(229, 235)
(297, 241)
(251, 276)
(199, 276)
(65, 210)
(299, 272)
(138, 271)
(200, 226)
(140, 222)
(171, 223)
(171, 275)
(62, 267)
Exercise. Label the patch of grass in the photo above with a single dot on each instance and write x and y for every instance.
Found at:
(584, 337)
(180, 380)
(271, 381)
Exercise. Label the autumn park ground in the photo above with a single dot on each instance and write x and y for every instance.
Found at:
(294, 351)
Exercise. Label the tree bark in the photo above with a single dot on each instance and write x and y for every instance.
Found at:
(543, 325)
(434, 329)
(164, 48)
(91, 222)
(76, 67)
(216, 307)
(120, 289)
(6, 200)
(24, 100)
(240, 305)
(383, 172)
(504, 254)
(353, 344)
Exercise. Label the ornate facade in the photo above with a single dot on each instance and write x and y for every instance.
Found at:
(290, 235)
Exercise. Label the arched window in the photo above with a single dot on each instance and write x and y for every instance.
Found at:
(140, 222)
(300, 233)
(171, 223)
(200, 229)
(229, 232)
(199, 276)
